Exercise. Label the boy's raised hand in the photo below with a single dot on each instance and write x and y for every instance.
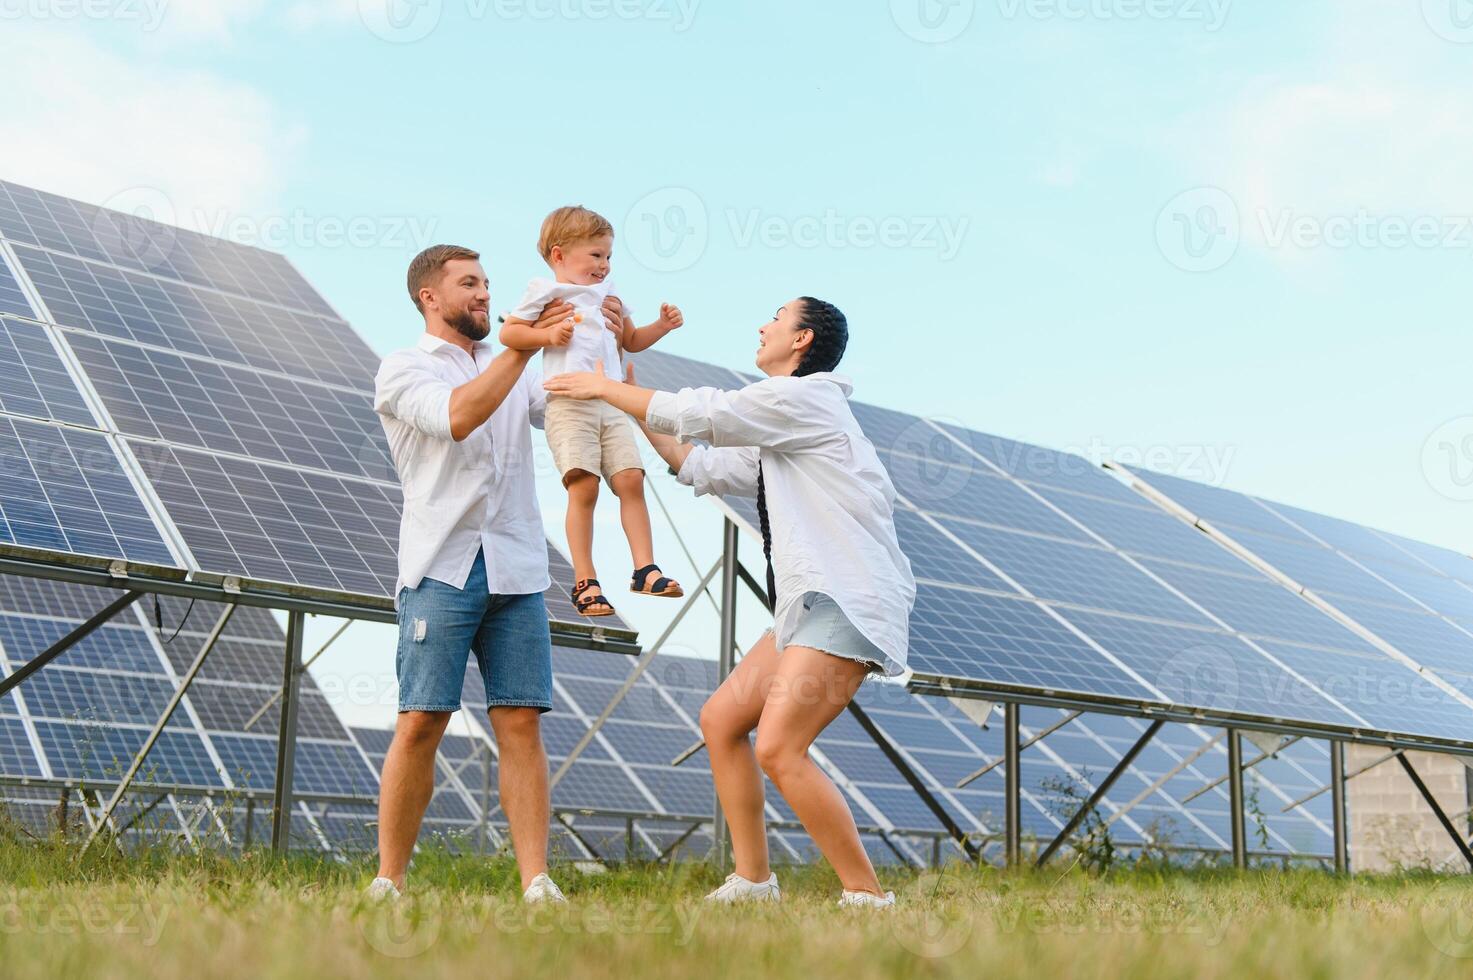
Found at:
(670, 317)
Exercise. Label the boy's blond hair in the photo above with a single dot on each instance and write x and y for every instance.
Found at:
(569, 226)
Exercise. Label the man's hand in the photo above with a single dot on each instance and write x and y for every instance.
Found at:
(670, 317)
(558, 319)
(614, 314)
(582, 385)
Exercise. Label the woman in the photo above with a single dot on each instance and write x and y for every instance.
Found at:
(843, 588)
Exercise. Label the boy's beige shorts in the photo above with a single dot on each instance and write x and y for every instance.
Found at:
(590, 435)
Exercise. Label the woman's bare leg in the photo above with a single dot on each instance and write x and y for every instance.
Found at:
(808, 692)
(727, 721)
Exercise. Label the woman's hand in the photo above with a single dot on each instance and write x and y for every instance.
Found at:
(582, 385)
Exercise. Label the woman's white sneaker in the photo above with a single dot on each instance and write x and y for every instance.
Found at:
(739, 889)
(542, 889)
(382, 890)
(867, 900)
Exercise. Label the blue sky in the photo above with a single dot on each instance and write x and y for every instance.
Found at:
(1231, 238)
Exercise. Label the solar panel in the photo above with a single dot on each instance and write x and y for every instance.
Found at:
(12, 300)
(1039, 571)
(64, 490)
(33, 381)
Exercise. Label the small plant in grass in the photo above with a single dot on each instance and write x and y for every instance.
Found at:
(1093, 842)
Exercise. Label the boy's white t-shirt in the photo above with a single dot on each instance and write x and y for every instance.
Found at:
(592, 340)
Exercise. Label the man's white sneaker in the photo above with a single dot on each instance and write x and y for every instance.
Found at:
(382, 890)
(866, 900)
(542, 889)
(739, 889)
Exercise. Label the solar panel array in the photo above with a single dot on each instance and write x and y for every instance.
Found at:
(85, 716)
(1039, 573)
(158, 363)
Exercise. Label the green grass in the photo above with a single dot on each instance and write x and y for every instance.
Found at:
(165, 915)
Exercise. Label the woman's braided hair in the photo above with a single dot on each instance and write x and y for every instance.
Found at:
(830, 338)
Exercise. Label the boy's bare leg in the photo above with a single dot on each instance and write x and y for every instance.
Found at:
(407, 783)
(633, 512)
(582, 497)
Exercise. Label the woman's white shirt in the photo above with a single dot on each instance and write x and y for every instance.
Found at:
(830, 502)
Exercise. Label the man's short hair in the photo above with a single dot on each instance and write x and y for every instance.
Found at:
(569, 226)
(427, 265)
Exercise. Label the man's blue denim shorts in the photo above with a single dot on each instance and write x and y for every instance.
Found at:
(439, 625)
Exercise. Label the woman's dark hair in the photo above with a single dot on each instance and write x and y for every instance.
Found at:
(830, 336)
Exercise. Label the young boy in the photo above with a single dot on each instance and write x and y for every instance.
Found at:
(589, 438)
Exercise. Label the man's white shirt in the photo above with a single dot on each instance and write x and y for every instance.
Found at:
(462, 497)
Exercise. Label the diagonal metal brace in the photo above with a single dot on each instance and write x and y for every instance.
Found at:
(1442, 818)
(1099, 793)
(158, 727)
(67, 642)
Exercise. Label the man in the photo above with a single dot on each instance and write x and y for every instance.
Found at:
(472, 559)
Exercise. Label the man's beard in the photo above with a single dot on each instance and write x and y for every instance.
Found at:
(466, 323)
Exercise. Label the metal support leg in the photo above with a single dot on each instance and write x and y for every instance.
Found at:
(1337, 806)
(248, 838)
(1099, 793)
(286, 737)
(485, 821)
(730, 543)
(1442, 818)
(67, 642)
(158, 727)
(1235, 798)
(1013, 788)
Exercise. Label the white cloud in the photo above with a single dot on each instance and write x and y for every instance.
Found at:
(80, 121)
(205, 19)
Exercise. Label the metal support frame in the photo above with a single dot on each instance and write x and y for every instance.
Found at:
(1213, 784)
(1442, 817)
(1013, 788)
(972, 777)
(1166, 777)
(731, 568)
(1235, 798)
(67, 642)
(1348, 777)
(158, 727)
(286, 739)
(1090, 804)
(1337, 806)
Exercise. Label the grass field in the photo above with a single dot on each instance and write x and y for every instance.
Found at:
(162, 915)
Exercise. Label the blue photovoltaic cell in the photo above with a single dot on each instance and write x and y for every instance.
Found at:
(934, 556)
(1146, 531)
(12, 300)
(1209, 669)
(111, 647)
(64, 490)
(1048, 467)
(1220, 507)
(1257, 607)
(39, 218)
(100, 752)
(1446, 596)
(1077, 574)
(319, 767)
(66, 694)
(276, 524)
(32, 378)
(137, 307)
(1447, 562)
(955, 633)
(1353, 539)
(1388, 695)
(1317, 567)
(17, 758)
(193, 402)
(1425, 638)
(975, 494)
